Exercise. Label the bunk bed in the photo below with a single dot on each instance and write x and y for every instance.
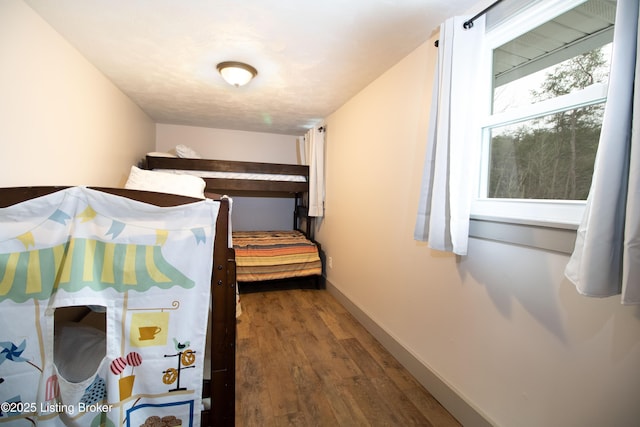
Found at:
(217, 405)
(238, 178)
(279, 257)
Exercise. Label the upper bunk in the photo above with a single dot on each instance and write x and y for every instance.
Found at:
(238, 178)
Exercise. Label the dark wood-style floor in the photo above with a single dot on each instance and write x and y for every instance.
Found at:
(303, 360)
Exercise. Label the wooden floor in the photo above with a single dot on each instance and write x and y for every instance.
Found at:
(303, 360)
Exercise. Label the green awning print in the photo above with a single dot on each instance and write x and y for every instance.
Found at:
(82, 263)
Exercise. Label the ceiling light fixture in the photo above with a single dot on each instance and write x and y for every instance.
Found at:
(236, 73)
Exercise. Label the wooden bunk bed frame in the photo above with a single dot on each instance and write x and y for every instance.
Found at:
(238, 187)
(251, 188)
(220, 388)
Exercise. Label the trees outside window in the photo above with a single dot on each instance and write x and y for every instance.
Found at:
(551, 157)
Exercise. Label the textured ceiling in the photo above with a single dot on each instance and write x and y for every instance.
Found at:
(311, 56)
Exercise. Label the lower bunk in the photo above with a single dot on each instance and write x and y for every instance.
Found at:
(273, 260)
(95, 282)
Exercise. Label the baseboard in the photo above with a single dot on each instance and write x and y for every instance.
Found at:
(462, 410)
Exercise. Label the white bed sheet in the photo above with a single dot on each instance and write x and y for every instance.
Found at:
(237, 175)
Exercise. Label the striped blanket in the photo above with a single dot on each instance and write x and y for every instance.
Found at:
(270, 255)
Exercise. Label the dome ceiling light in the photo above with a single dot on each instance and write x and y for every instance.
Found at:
(236, 73)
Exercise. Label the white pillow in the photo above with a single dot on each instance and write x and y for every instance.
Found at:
(165, 182)
(78, 350)
(187, 152)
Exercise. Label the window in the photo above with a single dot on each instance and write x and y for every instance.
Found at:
(79, 341)
(548, 73)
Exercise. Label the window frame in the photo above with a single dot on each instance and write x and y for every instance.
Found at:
(561, 214)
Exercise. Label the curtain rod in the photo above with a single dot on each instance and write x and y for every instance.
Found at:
(469, 22)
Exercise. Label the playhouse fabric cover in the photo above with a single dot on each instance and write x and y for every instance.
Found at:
(148, 267)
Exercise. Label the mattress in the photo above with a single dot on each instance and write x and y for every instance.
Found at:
(272, 255)
(237, 175)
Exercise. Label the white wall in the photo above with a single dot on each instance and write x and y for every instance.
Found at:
(501, 326)
(62, 122)
(223, 144)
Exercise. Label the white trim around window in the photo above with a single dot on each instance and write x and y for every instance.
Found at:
(546, 224)
(539, 213)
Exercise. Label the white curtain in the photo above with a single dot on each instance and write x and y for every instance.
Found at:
(606, 258)
(445, 193)
(314, 153)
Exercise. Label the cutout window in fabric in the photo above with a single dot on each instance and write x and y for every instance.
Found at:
(79, 341)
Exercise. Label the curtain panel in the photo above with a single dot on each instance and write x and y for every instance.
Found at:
(445, 193)
(606, 258)
(314, 152)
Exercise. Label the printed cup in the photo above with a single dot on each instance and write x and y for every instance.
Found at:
(148, 332)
